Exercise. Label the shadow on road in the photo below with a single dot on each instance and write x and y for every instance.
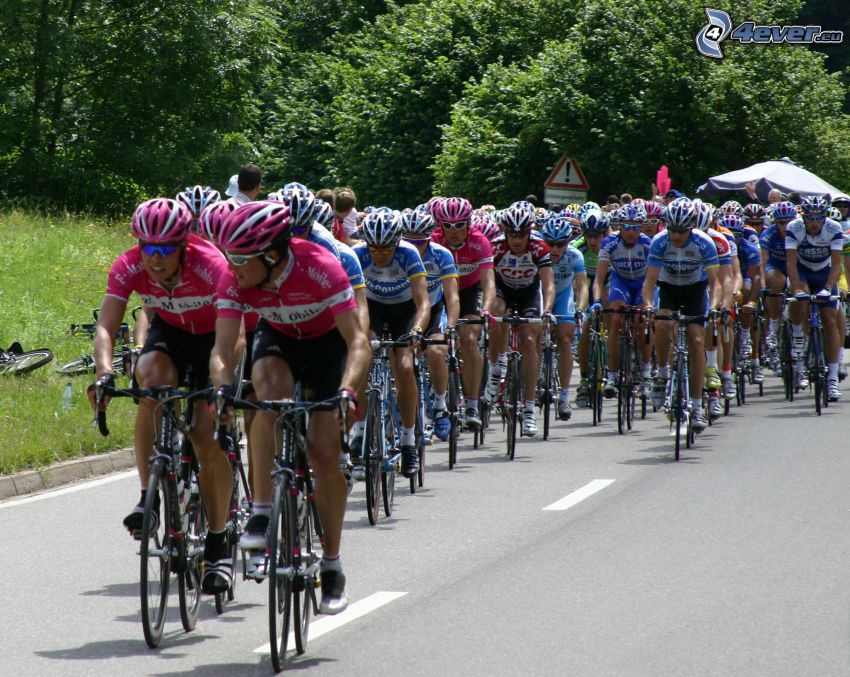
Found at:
(121, 648)
(114, 590)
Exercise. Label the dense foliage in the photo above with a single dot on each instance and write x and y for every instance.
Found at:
(108, 101)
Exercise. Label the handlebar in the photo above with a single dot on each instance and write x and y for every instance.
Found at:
(162, 394)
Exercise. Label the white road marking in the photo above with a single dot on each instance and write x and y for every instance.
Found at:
(579, 495)
(72, 489)
(325, 624)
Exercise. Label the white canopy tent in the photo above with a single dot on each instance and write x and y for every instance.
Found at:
(783, 174)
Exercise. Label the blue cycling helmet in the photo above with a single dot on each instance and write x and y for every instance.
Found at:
(680, 214)
(814, 205)
(784, 211)
(705, 215)
(418, 222)
(381, 228)
(302, 207)
(557, 229)
(324, 214)
(731, 221)
(594, 221)
(633, 212)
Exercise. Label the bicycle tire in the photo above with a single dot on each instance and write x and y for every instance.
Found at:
(418, 432)
(304, 585)
(452, 404)
(189, 580)
(512, 397)
(624, 385)
(155, 567)
(236, 519)
(372, 457)
(678, 410)
(547, 390)
(815, 372)
(281, 542)
(84, 365)
(18, 364)
(388, 471)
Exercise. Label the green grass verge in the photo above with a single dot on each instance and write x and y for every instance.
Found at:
(53, 272)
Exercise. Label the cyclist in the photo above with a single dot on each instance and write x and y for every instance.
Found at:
(473, 255)
(309, 332)
(654, 218)
(746, 295)
(625, 254)
(523, 269)
(774, 267)
(684, 263)
(569, 274)
(755, 216)
(442, 280)
(842, 204)
(176, 274)
(594, 227)
(397, 293)
(814, 246)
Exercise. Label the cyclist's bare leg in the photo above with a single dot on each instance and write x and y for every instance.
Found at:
(696, 355)
(323, 447)
(584, 349)
(472, 367)
(616, 321)
(661, 341)
(401, 362)
(529, 335)
(499, 333)
(437, 365)
(152, 369)
(564, 337)
(272, 380)
(215, 479)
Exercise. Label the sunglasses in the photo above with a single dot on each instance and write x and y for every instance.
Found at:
(814, 217)
(455, 225)
(552, 245)
(653, 222)
(517, 236)
(162, 249)
(629, 226)
(382, 250)
(413, 239)
(679, 230)
(241, 259)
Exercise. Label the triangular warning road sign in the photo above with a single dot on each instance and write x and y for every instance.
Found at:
(567, 174)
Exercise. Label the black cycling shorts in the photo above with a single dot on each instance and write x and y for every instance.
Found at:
(527, 301)
(318, 363)
(470, 300)
(690, 297)
(188, 352)
(435, 322)
(397, 318)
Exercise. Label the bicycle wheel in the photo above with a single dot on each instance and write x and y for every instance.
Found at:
(189, 581)
(624, 387)
(511, 404)
(280, 574)
(678, 410)
(483, 404)
(155, 555)
(453, 410)
(306, 579)
(813, 360)
(373, 443)
(18, 364)
(548, 379)
(388, 470)
(236, 518)
(85, 365)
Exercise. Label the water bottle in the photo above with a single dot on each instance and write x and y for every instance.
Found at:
(183, 495)
(68, 397)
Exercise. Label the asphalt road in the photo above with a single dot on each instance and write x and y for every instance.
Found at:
(733, 561)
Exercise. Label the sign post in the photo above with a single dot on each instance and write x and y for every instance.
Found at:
(566, 183)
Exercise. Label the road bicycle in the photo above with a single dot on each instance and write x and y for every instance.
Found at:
(174, 523)
(123, 356)
(549, 382)
(815, 360)
(511, 392)
(630, 381)
(598, 364)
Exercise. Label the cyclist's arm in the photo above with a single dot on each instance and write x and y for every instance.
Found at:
(737, 278)
(362, 307)
(834, 268)
(109, 321)
(599, 282)
(419, 288)
(143, 321)
(727, 283)
(791, 269)
(714, 292)
(763, 266)
(648, 291)
(488, 289)
(580, 290)
(450, 294)
(754, 271)
(547, 280)
(359, 356)
(223, 355)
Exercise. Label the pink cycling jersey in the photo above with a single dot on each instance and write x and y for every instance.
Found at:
(189, 305)
(471, 257)
(312, 289)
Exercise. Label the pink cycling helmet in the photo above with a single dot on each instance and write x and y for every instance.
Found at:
(451, 210)
(213, 218)
(489, 228)
(654, 210)
(161, 220)
(255, 227)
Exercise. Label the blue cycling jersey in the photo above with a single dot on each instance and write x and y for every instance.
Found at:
(342, 252)
(748, 256)
(564, 271)
(773, 242)
(391, 283)
(626, 261)
(686, 264)
(814, 251)
(439, 265)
